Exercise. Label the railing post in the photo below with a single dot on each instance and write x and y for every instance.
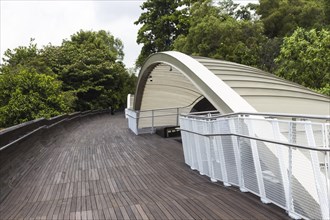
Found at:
(137, 117)
(237, 152)
(211, 146)
(326, 135)
(294, 161)
(185, 141)
(152, 120)
(193, 147)
(292, 139)
(320, 185)
(290, 207)
(293, 131)
(257, 165)
(284, 160)
(223, 160)
(177, 116)
(198, 152)
(327, 176)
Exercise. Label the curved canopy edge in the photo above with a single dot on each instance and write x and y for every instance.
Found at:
(220, 95)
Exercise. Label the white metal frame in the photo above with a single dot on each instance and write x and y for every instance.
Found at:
(287, 152)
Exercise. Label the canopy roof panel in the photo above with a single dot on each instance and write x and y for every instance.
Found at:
(173, 79)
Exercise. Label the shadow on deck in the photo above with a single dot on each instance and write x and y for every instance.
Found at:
(96, 168)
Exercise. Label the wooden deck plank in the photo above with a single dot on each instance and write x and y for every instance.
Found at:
(148, 213)
(106, 213)
(155, 211)
(118, 213)
(124, 213)
(96, 168)
(164, 210)
(169, 208)
(112, 213)
(136, 212)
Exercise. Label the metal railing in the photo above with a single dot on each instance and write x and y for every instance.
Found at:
(20, 146)
(284, 159)
(11, 135)
(141, 122)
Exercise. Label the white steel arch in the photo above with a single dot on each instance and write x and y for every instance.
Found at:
(222, 97)
(173, 79)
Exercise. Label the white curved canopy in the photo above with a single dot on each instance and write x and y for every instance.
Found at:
(173, 79)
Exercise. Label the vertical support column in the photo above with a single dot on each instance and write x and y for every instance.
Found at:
(193, 146)
(293, 131)
(283, 157)
(235, 142)
(318, 176)
(177, 116)
(223, 159)
(136, 122)
(208, 149)
(205, 147)
(326, 138)
(256, 161)
(128, 101)
(152, 121)
(198, 152)
(327, 176)
(291, 211)
(293, 140)
(185, 141)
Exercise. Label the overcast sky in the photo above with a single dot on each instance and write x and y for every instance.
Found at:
(54, 20)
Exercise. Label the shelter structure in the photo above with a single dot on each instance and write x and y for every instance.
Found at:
(175, 80)
(269, 136)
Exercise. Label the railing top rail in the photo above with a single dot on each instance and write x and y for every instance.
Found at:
(261, 139)
(155, 116)
(160, 109)
(13, 134)
(203, 112)
(209, 115)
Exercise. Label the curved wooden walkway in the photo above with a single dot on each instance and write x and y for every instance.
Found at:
(98, 169)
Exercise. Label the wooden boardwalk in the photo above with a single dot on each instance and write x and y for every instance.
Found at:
(98, 169)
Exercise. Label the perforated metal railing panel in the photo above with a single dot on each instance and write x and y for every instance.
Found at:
(285, 162)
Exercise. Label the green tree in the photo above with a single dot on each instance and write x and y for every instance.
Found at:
(51, 56)
(282, 17)
(27, 95)
(24, 56)
(85, 72)
(237, 11)
(90, 65)
(304, 58)
(270, 49)
(327, 12)
(162, 21)
(215, 33)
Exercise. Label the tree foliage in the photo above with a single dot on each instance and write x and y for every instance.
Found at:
(255, 34)
(304, 58)
(237, 11)
(24, 56)
(282, 17)
(27, 95)
(327, 12)
(29, 88)
(270, 49)
(215, 33)
(162, 21)
(91, 67)
(84, 73)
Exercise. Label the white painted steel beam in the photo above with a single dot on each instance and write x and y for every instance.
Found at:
(172, 79)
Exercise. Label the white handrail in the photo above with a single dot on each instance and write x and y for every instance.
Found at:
(277, 159)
